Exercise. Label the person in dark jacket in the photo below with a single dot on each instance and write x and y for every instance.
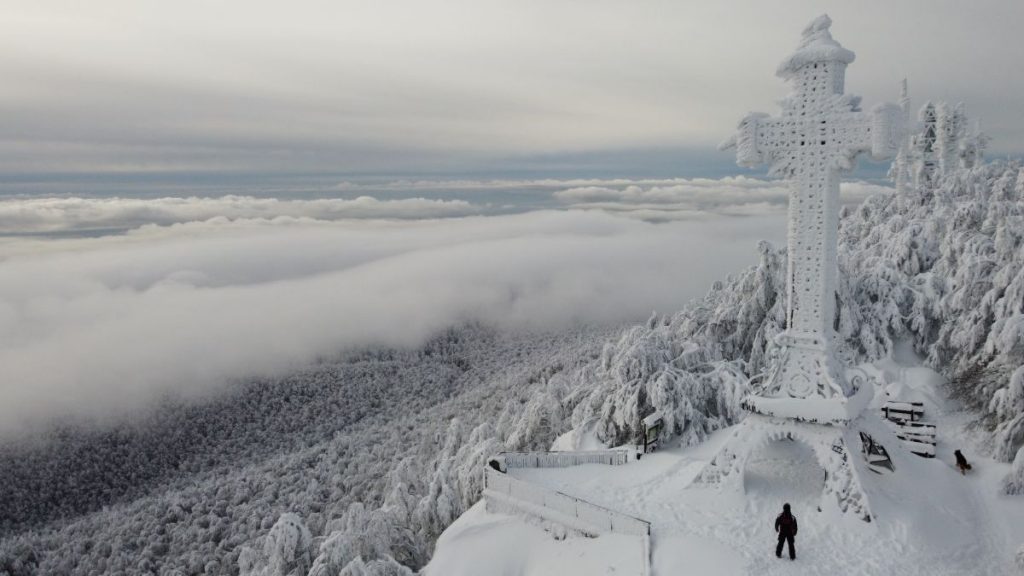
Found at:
(785, 525)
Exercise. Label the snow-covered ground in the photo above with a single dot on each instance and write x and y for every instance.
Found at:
(929, 520)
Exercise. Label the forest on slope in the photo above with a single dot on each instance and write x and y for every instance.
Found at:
(355, 467)
(185, 490)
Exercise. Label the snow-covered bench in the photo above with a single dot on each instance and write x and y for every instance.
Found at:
(905, 418)
(919, 437)
(875, 454)
(896, 411)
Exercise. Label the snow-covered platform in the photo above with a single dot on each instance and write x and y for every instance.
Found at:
(928, 519)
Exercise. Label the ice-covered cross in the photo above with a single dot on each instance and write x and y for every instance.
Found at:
(820, 132)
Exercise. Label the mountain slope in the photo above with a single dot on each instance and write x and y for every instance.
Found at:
(188, 492)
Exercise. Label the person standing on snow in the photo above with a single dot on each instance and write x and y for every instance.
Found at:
(785, 525)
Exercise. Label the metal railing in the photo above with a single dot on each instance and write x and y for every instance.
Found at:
(560, 505)
(564, 459)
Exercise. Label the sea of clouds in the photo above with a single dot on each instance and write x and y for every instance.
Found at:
(200, 291)
(653, 200)
(50, 215)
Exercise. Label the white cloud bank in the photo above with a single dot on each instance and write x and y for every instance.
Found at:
(694, 198)
(654, 200)
(91, 328)
(36, 215)
(203, 290)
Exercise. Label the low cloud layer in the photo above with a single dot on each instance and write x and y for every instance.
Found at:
(195, 292)
(43, 215)
(95, 327)
(696, 198)
(654, 200)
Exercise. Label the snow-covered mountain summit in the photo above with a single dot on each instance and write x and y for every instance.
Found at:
(927, 517)
(950, 292)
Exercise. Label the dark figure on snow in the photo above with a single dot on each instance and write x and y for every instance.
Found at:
(961, 462)
(785, 525)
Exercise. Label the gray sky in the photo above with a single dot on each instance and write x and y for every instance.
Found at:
(220, 91)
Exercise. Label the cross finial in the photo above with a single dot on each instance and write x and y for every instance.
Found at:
(816, 45)
(818, 26)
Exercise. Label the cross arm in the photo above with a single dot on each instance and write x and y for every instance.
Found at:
(762, 139)
(878, 132)
(748, 153)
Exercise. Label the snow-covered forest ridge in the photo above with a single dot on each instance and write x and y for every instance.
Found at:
(355, 466)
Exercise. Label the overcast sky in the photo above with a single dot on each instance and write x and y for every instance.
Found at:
(225, 91)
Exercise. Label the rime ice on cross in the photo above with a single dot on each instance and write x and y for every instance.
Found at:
(819, 133)
(807, 396)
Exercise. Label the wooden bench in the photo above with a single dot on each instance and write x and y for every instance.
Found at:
(876, 455)
(919, 437)
(905, 417)
(922, 431)
(924, 449)
(901, 412)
